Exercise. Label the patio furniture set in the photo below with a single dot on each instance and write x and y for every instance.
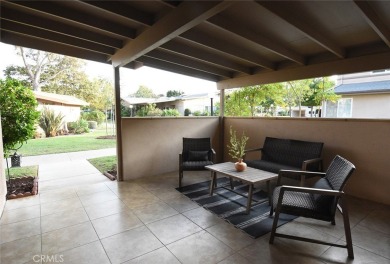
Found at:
(281, 158)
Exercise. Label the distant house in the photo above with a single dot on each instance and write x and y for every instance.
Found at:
(194, 102)
(69, 106)
(363, 95)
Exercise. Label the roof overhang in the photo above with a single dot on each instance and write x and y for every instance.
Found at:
(234, 43)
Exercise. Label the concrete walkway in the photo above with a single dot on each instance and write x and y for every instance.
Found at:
(72, 169)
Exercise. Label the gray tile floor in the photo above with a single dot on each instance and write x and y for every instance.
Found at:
(85, 218)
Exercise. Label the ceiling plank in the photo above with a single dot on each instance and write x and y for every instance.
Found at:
(54, 47)
(40, 33)
(179, 20)
(58, 27)
(314, 33)
(166, 66)
(349, 65)
(374, 21)
(119, 9)
(266, 42)
(79, 17)
(187, 62)
(180, 47)
(201, 38)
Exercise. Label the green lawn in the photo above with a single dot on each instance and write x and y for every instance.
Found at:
(23, 171)
(69, 143)
(104, 163)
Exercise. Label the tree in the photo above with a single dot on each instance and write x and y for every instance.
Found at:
(18, 114)
(144, 92)
(172, 93)
(300, 91)
(39, 69)
(322, 91)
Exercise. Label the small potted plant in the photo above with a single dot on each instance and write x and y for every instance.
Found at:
(237, 149)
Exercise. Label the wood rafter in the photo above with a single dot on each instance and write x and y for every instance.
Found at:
(265, 42)
(179, 20)
(374, 21)
(79, 17)
(314, 33)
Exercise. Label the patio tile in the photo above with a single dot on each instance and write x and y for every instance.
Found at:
(97, 197)
(173, 228)
(116, 223)
(89, 253)
(130, 244)
(135, 201)
(20, 214)
(56, 195)
(158, 256)
(202, 217)
(378, 220)
(277, 253)
(67, 238)
(182, 204)
(231, 236)
(22, 202)
(63, 219)
(104, 209)
(22, 229)
(200, 248)
(374, 241)
(153, 212)
(362, 256)
(61, 205)
(20, 251)
(91, 188)
(235, 259)
(166, 193)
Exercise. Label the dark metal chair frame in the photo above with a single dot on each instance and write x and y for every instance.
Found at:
(195, 144)
(340, 167)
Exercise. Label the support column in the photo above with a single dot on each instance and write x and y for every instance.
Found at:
(118, 122)
(221, 124)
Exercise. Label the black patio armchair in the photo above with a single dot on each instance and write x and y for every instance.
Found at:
(319, 202)
(197, 153)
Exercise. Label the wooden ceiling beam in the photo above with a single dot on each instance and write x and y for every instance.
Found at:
(53, 36)
(184, 17)
(58, 27)
(123, 10)
(49, 46)
(374, 20)
(314, 33)
(201, 38)
(166, 66)
(180, 47)
(189, 63)
(78, 16)
(266, 42)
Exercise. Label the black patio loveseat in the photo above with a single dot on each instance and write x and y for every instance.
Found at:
(287, 154)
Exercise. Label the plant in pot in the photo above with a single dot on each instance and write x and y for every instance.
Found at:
(237, 149)
(18, 119)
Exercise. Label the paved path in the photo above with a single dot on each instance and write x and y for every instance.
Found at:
(71, 169)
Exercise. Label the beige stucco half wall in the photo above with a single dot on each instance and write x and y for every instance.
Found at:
(151, 146)
(3, 187)
(366, 143)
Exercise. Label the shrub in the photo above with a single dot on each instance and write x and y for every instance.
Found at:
(78, 127)
(149, 110)
(94, 115)
(187, 112)
(50, 122)
(92, 124)
(170, 112)
(18, 114)
(197, 113)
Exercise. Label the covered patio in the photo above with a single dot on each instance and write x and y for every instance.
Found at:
(235, 44)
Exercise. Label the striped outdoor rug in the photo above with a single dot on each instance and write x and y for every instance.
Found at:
(231, 206)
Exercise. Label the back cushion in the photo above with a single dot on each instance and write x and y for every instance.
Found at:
(323, 200)
(198, 155)
(290, 152)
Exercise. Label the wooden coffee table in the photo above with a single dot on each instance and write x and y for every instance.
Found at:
(250, 176)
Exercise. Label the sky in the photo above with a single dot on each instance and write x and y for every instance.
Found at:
(159, 81)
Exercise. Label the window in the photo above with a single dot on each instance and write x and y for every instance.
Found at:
(344, 107)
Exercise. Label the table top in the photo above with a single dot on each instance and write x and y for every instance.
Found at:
(249, 175)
